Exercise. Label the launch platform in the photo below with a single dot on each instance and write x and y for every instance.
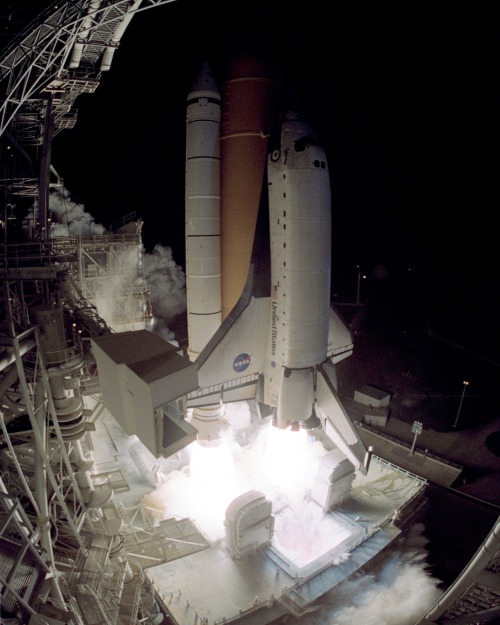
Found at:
(310, 552)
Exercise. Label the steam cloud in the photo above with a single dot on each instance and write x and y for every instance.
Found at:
(72, 219)
(167, 284)
(400, 592)
(68, 218)
(164, 277)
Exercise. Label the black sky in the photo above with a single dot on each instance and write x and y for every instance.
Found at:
(404, 100)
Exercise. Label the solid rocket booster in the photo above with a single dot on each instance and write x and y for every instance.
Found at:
(300, 239)
(202, 211)
(252, 94)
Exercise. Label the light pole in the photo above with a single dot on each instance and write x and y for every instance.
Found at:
(416, 428)
(466, 384)
(359, 284)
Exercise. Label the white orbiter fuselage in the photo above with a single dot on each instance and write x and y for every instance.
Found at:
(281, 341)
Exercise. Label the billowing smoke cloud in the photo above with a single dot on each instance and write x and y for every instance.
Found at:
(399, 592)
(165, 279)
(116, 279)
(167, 284)
(68, 218)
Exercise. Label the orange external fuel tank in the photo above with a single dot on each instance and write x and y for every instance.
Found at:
(252, 93)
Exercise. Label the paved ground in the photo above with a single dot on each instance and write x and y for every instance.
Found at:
(478, 470)
(424, 375)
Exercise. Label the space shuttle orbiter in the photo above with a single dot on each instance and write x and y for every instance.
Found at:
(280, 342)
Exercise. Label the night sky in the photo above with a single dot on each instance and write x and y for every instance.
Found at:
(398, 99)
(405, 101)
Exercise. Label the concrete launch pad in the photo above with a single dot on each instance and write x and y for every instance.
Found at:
(211, 585)
(311, 552)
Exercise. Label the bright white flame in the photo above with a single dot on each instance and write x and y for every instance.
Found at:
(201, 491)
(285, 463)
(285, 458)
(213, 478)
(279, 463)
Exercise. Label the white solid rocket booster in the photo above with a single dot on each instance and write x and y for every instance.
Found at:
(203, 264)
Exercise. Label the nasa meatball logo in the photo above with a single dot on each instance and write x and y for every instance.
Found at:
(241, 362)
